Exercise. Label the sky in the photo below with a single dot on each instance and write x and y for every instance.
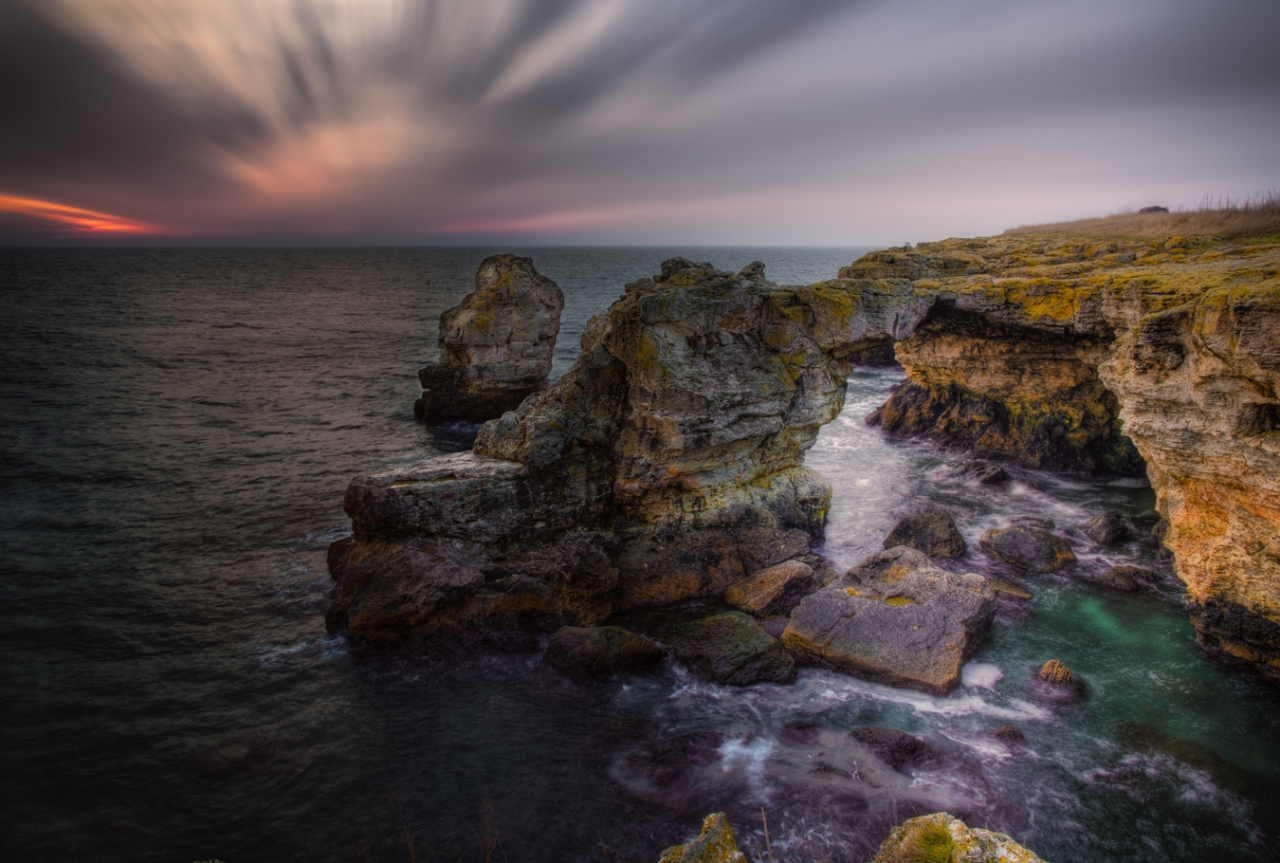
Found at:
(637, 122)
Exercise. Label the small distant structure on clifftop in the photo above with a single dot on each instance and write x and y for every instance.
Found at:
(1156, 209)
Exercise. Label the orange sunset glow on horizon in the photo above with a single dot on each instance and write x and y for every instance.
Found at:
(76, 220)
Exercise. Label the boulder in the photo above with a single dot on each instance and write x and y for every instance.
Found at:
(1116, 579)
(1055, 673)
(933, 533)
(715, 844)
(1108, 528)
(896, 748)
(773, 590)
(496, 345)
(1054, 682)
(981, 472)
(1028, 548)
(731, 649)
(1010, 736)
(896, 619)
(939, 838)
(1127, 577)
(585, 651)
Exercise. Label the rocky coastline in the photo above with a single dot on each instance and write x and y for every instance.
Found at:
(668, 463)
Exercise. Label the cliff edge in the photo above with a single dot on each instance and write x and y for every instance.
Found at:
(1117, 355)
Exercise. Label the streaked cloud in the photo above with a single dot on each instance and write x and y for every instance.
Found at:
(820, 121)
(75, 220)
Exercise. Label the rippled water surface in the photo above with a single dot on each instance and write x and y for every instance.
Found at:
(178, 429)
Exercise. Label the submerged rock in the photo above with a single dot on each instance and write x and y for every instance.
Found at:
(896, 619)
(773, 590)
(496, 345)
(715, 844)
(731, 649)
(933, 533)
(1010, 736)
(1028, 548)
(896, 748)
(584, 651)
(939, 838)
(664, 764)
(981, 472)
(1107, 528)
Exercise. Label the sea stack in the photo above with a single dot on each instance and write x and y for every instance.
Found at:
(666, 464)
(495, 346)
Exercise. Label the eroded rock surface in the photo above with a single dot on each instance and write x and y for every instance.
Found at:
(667, 463)
(774, 590)
(715, 844)
(495, 346)
(896, 619)
(1066, 352)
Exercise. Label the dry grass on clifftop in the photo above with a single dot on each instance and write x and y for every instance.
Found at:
(1258, 216)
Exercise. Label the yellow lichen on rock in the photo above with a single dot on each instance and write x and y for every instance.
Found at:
(940, 838)
(715, 844)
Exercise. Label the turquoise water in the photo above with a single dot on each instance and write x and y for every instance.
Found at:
(179, 427)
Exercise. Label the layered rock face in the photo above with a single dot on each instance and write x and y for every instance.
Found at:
(1077, 354)
(1197, 369)
(667, 463)
(495, 346)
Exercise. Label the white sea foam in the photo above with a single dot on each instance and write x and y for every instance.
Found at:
(984, 675)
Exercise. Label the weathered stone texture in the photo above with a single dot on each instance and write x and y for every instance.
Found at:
(680, 432)
(495, 346)
(1117, 355)
(896, 619)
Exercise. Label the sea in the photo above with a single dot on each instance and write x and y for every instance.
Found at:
(177, 427)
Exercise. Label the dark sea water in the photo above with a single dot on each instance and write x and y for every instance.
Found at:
(178, 428)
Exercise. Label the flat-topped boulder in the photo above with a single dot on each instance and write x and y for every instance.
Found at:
(496, 345)
(895, 619)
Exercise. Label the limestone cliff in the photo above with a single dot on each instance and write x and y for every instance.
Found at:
(495, 346)
(1068, 353)
(667, 463)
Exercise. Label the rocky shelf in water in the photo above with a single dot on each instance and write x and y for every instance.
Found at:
(668, 463)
